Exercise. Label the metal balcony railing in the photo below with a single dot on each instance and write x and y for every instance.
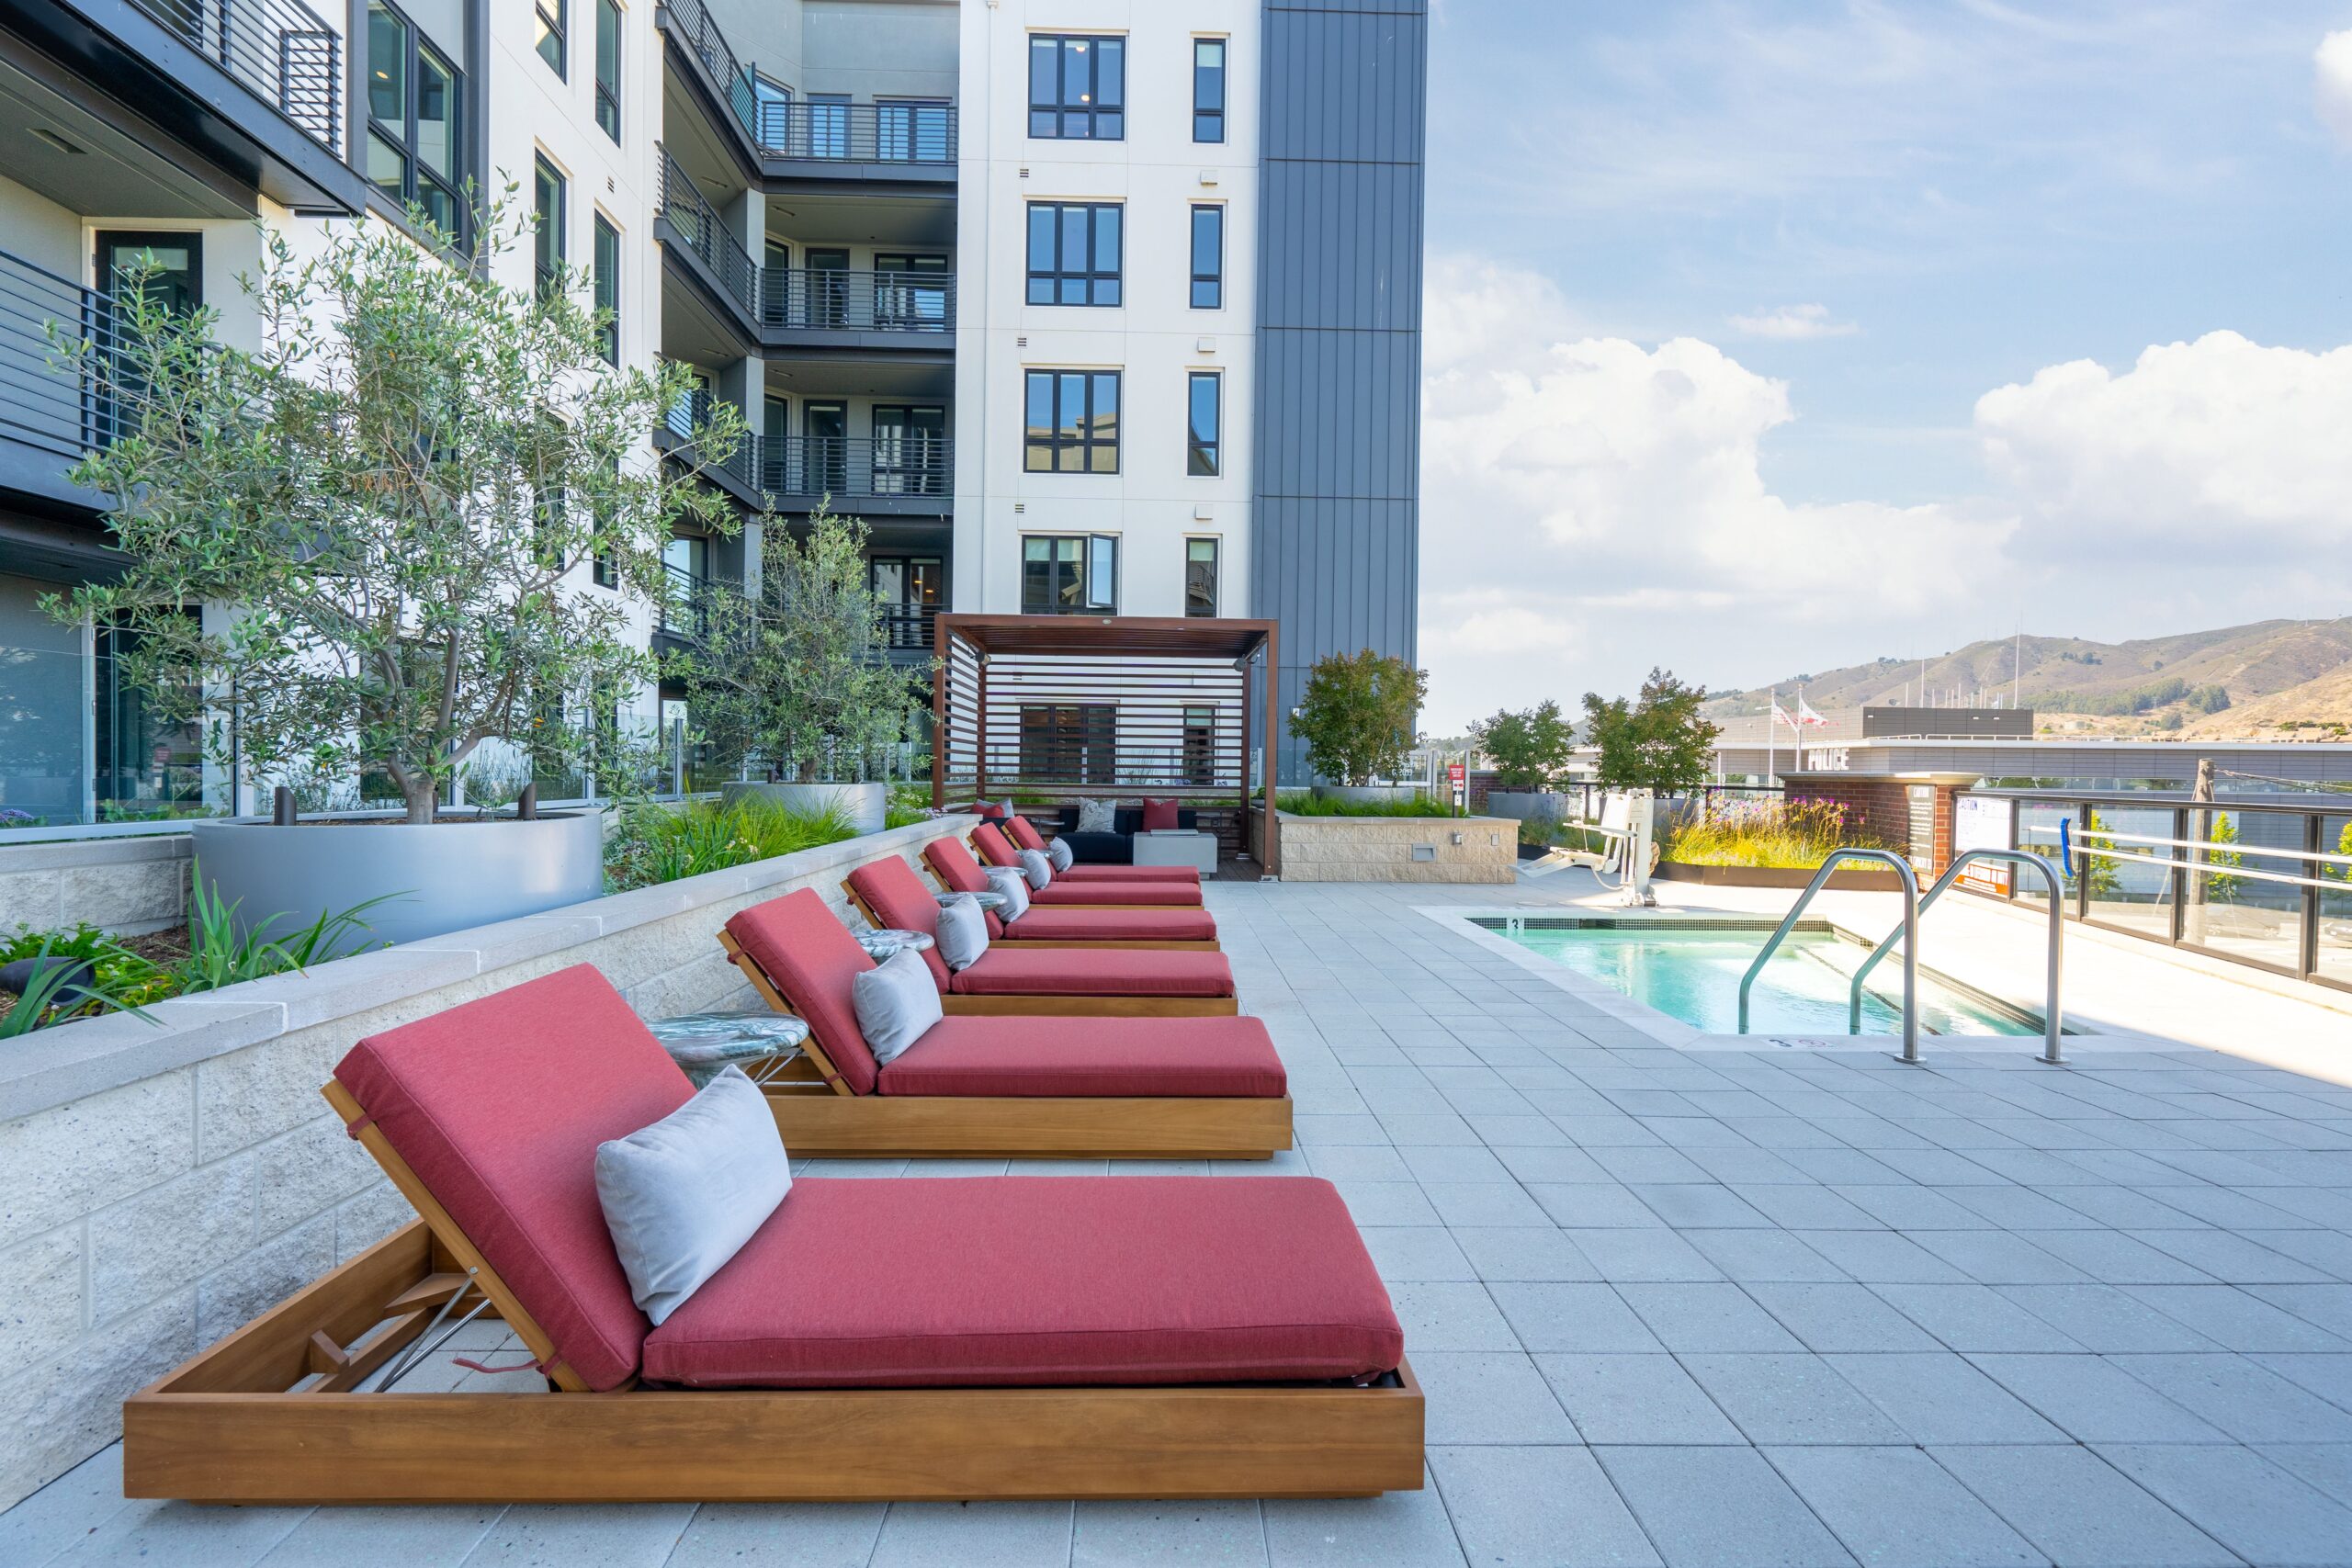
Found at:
(856, 133)
(907, 630)
(908, 465)
(824, 299)
(682, 605)
(281, 50)
(698, 222)
(50, 400)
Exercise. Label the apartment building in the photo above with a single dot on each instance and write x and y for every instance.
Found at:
(1085, 307)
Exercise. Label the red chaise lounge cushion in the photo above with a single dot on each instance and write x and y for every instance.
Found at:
(990, 838)
(1152, 894)
(498, 1106)
(1036, 1280)
(1016, 971)
(1222, 1058)
(1063, 923)
(810, 957)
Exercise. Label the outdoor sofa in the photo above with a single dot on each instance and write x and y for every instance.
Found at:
(951, 863)
(1036, 1087)
(1067, 887)
(940, 1339)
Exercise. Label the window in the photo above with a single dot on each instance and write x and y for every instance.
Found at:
(1208, 258)
(913, 130)
(1073, 422)
(1206, 405)
(607, 261)
(1200, 747)
(1200, 577)
(1075, 742)
(549, 38)
(547, 204)
(608, 68)
(1208, 89)
(828, 126)
(1078, 88)
(1071, 574)
(414, 135)
(771, 107)
(1074, 252)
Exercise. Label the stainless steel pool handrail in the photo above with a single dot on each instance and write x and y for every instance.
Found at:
(2050, 1019)
(1910, 929)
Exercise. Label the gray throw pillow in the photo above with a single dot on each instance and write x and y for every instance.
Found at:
(896, 1001)
(963, 934)
(683, 1196)
(1036, 868)
(1098, 816)
(1058, 855)
(1014, 886)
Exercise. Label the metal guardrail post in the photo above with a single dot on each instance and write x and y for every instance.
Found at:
(2051, 1026)
(1910, 929)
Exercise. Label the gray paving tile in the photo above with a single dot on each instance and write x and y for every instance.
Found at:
(2231, 1259)
(1718, 1507)
(803, 1534)
(1894, 1507)
(2095, 1401)
(2249, 1401)
(1386, 1203)
(1706, 1317)
(1639, 1400)
(1797, 1398)
(2327, 1466)
(1501, 1253)
(1450, 1315)
(2080, 1511)
(337, 1538)
(2242, 1500)
(1537, 1507)
(1489, 1397)
(2104, 1318)
(1572, 1317)
(1639, 1255)
(184, 1535)
(959, 1535)
(1359, 1162)
(1697, 1205)
(1839, 1317)
(1398, 1529)
(2326, 1306)
(1416, 1252)
(1877, 1258)
(1941, 1397)
(1746, 1255)
(1466, 1204)
(1448, 1162)
(2235, 1319)
(2117, 1259)
(63, 1511)
(1593, 1205)
(1134, 1535)
(1997, 1257)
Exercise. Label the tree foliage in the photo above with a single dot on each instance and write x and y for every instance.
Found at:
(1530, 750)
(799, 679)
(393, 502)
(1357, 714)
(1657, 742)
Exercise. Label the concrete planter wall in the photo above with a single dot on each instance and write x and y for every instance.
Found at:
(126, 884)
(1398, 849)
(866, 805)
(1527, 806)
(161, 1183)
(450, 876)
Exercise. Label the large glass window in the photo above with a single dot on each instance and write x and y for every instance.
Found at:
(1208, 89)
(1200, 577)
(547, 32)
(1069, 574)
(1208, 258)
(1078, 88)
(607, 262)
(1073, 422)
(1074, 251)
(414, 138)
(1206, 421)
(1075, 742)
(608, 68)
(547, 202)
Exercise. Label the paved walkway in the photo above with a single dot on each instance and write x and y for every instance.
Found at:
(1698, 1306)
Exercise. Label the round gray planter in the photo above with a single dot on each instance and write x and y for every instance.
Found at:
(1527, 806)
(865, 804)
(1366, 794)
(460, 872)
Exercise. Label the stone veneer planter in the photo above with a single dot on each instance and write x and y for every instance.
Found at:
(160, 1185)
(1381, 849)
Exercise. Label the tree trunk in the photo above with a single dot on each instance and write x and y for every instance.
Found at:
(808, 770)
(423, 797)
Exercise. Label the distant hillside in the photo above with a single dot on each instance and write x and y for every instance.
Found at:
(2268, 678)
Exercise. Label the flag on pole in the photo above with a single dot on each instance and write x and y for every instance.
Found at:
(1805, 713)
(1780, 714)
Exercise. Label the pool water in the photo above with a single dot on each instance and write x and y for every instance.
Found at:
(1692, 973)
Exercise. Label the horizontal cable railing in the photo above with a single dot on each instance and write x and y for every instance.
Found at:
(49, 399)
(281, 50)
(826, 299)
(698, 222)
(857, 133)
(910, 464)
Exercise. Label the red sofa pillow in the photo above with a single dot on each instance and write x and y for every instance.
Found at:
(1159, 816)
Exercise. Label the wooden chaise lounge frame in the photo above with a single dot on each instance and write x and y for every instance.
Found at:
(268, 1415)
(817, 1114)
(1071, 1007)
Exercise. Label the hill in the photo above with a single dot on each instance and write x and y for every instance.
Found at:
(2236, 680)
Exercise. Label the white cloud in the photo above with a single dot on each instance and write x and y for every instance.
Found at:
(1794, 323)
(2333, 65)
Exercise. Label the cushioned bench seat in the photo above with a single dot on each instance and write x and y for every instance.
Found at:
(1038, 1281)
(1114, 972)
(1062, 923)
(1045, 1057)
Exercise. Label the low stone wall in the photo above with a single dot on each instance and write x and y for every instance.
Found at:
(129, 885)
(160, 1185)
(1398, 849)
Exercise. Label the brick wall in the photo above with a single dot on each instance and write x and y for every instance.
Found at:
(1881, 807)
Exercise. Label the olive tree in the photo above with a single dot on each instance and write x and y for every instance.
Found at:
(395, 499)
(1357, 714)
(1658, 741)
(1532, 749)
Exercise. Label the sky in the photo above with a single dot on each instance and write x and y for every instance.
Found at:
(1764, 336)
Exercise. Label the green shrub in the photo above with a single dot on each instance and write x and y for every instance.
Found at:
(652, 845)
(1303, 804)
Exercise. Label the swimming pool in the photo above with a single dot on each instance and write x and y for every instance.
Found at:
(1692, 972)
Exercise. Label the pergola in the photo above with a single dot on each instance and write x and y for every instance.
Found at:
(1077, 706)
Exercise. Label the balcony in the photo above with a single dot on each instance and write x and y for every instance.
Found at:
(254, 87)
(720, 264)
(920, 135)
(907, 476)
(51, 410)
(681, 610)
(822, 309)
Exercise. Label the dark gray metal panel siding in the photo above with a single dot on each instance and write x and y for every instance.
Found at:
(1335, 545)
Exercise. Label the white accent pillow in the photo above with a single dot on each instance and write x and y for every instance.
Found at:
(896, 1001)
(1014, 886)
(1057, 855)
(683, 1196)
(1098, 816)
(963, 934)
(1037, 869)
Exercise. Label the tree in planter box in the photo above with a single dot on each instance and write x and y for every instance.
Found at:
(797, 678)
(1657, 742)
(1357, 716)
(397, 496)
(1530, 751)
